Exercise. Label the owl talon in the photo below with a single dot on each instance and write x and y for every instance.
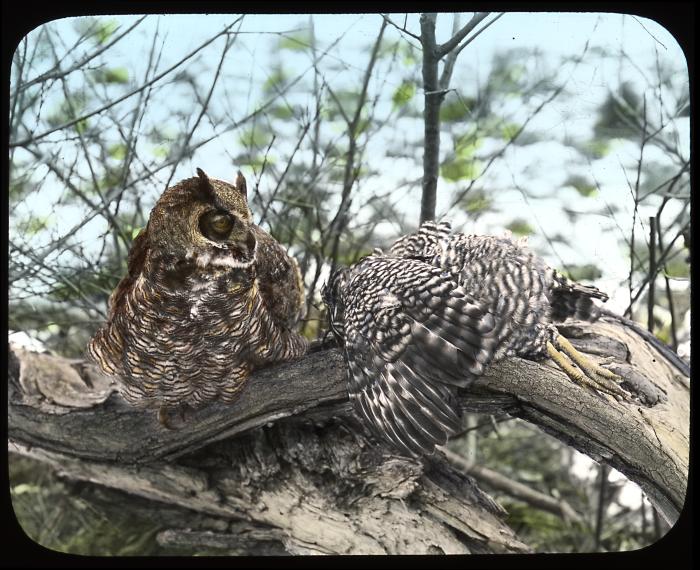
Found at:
(165, 417)
(588, 373)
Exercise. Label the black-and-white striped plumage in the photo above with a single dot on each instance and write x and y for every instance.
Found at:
(431, 315)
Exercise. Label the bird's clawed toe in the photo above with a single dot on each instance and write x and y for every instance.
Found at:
(584, 371)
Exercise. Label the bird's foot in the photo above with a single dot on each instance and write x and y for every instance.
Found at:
(586, 372)
(165, 417)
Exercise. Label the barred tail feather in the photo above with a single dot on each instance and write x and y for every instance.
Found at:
(571, 300)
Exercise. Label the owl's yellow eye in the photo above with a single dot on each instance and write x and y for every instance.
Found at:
(216, 225)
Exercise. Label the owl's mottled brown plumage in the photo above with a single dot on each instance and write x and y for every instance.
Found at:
(433, 313)
(208, 298)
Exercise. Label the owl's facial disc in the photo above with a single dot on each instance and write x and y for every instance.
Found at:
(233, 244)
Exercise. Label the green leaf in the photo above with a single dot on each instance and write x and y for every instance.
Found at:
(105, 30)
(506, 76)
(112, 177)
(362, 126)
(520, 227)
(117, 151)
(408, 53)
(161, 150)
(582, 185)
(456, 110)
(68, 110)
(254, 138)
(619, 115)
(467, 144)
(476, 203)
(596, 148)
(116, 75)
(677, 268)
(586, 272)
(281, 111)
(460, 169)
(401, 48)
(19, 187)
(509, 131)
(299, 41)
(275, 83)
(663, 334)
(81, 126)
(347, 98)
(403, 94)
(34, 225)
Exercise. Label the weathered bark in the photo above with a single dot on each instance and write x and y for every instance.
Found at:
(288, 463)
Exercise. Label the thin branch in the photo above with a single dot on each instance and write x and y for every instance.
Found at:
(460, 196)
(56, 72)
(478, 33)
(669, 293)
(205, 104)
(602, 507)
(274, 192)
(652, 273)
(515, 489)
(350, 171)
(400, 29)
(443, 49)
(34, 138)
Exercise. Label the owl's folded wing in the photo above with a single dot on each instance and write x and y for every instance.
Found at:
(412, 346)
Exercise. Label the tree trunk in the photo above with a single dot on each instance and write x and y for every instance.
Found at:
(288, 467)
(431, 117)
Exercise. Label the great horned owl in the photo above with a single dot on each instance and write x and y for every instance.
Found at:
(208, 298)
(432, 314)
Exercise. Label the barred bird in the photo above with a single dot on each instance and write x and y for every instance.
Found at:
(208, 298)
(433, 313)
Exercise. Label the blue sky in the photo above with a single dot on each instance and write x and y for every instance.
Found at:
(557, 35)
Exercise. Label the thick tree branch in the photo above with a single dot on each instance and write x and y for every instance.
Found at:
(309, 460)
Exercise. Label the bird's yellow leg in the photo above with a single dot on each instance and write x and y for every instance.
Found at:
(584, 363)
(588, 373)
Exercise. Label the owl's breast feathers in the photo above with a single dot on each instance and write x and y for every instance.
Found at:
(181, 333)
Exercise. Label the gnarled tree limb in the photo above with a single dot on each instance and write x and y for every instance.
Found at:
(290, 463)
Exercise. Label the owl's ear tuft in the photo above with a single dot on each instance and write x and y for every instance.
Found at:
(240, 184)
(204, 183)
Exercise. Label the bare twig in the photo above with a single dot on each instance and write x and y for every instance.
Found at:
(401, 29)
(652, 273)
(443, 49)
(56, 72)
(514, 489)
(602, 506)
(68, 124)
